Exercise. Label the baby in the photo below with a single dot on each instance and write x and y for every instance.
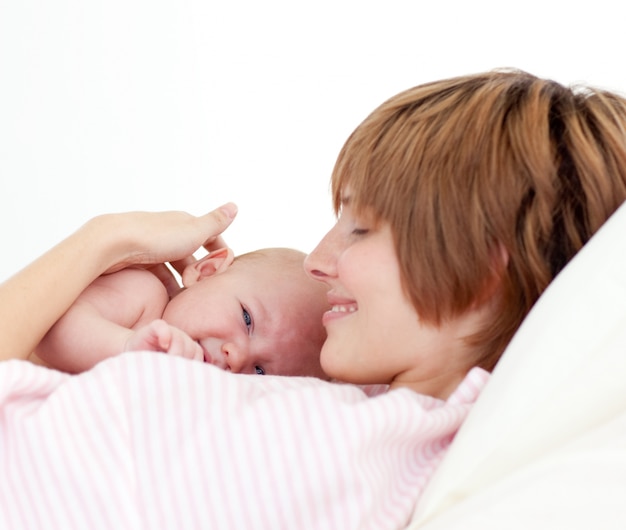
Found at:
(257, 313)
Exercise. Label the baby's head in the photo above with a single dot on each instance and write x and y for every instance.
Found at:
(255, 313)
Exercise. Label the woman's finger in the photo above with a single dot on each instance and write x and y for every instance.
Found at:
(166, 276)
(151, 238)
(214, 243)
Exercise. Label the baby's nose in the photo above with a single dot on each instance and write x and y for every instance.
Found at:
(235, 356)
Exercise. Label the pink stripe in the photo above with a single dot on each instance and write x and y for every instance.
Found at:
(145, 440)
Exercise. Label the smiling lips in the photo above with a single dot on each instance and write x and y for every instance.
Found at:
(207, 355)
(218, 360)
(339, 310)
(343, 309)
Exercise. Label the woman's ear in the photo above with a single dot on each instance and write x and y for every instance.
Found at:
(213, 263)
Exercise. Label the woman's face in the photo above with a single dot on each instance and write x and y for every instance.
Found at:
(374, 333)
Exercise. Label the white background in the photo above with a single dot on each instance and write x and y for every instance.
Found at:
(113, 105)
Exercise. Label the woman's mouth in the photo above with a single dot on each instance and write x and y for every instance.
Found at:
(343, 309)
(339, 311)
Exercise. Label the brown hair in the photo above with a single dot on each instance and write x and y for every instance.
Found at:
(465, 167)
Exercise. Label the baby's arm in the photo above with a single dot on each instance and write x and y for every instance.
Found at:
(101, 321)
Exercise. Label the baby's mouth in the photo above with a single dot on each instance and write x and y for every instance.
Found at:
(207, 355)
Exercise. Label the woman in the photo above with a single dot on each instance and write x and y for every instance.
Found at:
(475, 192)
(458, 202)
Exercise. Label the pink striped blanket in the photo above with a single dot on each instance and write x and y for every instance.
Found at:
(145, 440)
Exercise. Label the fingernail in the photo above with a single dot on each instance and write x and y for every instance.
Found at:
(230, 209)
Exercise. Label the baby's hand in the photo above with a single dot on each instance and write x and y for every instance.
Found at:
(159, 336)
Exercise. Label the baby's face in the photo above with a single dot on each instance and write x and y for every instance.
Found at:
(253, 318)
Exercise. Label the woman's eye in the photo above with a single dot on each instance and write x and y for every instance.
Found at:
(247, 319)
(259, 370)
(360, 231)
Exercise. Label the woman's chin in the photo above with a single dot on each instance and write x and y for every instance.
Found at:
(335, 361)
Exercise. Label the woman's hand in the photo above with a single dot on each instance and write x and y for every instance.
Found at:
(174, 234)
(143, 238)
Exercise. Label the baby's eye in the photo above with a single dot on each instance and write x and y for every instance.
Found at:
(259, 370)
(247, 319)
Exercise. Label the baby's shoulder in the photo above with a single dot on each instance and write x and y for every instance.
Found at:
(130, 284)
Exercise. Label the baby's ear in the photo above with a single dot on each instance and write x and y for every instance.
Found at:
(213, 263)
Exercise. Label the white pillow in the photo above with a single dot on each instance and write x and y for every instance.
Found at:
(545, 445)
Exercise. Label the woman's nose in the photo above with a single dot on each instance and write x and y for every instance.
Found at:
(320, 263)
(235, 356)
